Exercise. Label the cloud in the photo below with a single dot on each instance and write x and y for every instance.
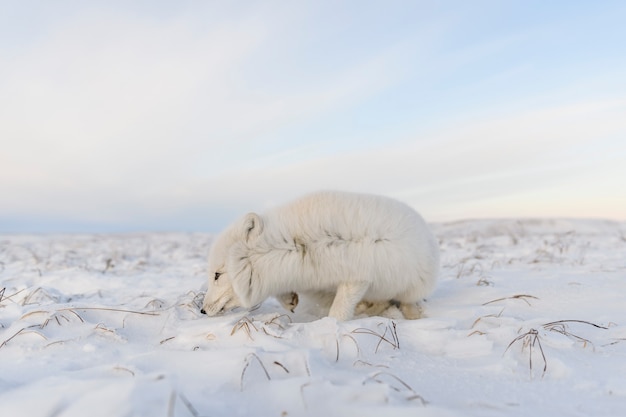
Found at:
(118, 114)
(458, 167)
(110, 114)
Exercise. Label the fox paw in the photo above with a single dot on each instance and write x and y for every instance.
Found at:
(288, 300)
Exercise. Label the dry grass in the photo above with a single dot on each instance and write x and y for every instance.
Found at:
(378, 378)
(478, 320)
(389, 336)
(56, 316)
(532, 341)
(615, 341)
(23, 331)
(270, 327)
(462, 269)
(522, 297)
(172, 404)
(561, 326)
(121, 368)
(389, 328)
(192, 301)
(116, 310)
(166, 340)
(362, 362)
(280, 316)
(244, 323)
(358, 348)
(248, 360)
(281, 366)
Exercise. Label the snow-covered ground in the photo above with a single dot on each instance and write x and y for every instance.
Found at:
(529, 318)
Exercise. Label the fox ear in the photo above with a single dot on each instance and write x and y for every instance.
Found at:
(252, 227)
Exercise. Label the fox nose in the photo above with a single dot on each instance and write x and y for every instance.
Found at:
(202, 311)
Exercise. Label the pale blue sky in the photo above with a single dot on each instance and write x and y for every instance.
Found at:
(154, 115)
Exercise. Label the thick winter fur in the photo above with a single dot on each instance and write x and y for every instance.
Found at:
(358, 247)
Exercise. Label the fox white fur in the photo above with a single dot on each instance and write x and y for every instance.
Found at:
(355, 246)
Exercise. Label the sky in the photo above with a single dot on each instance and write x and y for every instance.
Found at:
(127, 116)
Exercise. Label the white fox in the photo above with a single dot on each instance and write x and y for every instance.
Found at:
(358, 247)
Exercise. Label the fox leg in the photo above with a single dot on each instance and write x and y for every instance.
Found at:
(349, 294)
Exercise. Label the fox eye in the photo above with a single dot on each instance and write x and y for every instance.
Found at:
(217, 275)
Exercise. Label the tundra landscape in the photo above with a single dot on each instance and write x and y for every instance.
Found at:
(528, 318)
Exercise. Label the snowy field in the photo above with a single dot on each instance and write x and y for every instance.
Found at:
(529, 319)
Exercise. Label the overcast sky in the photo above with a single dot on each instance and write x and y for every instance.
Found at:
(181, 116)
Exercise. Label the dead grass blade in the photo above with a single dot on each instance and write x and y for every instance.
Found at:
(24, 330)
(273, 321)
(267, 326)
(58, 342)
(166, 340)
(302, 387)
(188, 404)
(121, 368)
(362, 362)
(8, 297)
(561, 326)
(244, 323)
(615, 341)
(530, 339)
(33, 313)
(522, 297)
(376, 378)
(358, 349)
(495, 316)
(248, 361)
(102, 328)
(575, 321)
(282, 366)
(171, 404)
(117, 310)
(76, 314)
(394, 342)
(394, 333)
(3, 344)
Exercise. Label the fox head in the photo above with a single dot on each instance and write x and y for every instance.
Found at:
(230, 274)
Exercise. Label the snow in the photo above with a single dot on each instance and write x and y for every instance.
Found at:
(109, 325)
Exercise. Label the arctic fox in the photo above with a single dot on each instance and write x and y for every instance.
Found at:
(357, 247)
